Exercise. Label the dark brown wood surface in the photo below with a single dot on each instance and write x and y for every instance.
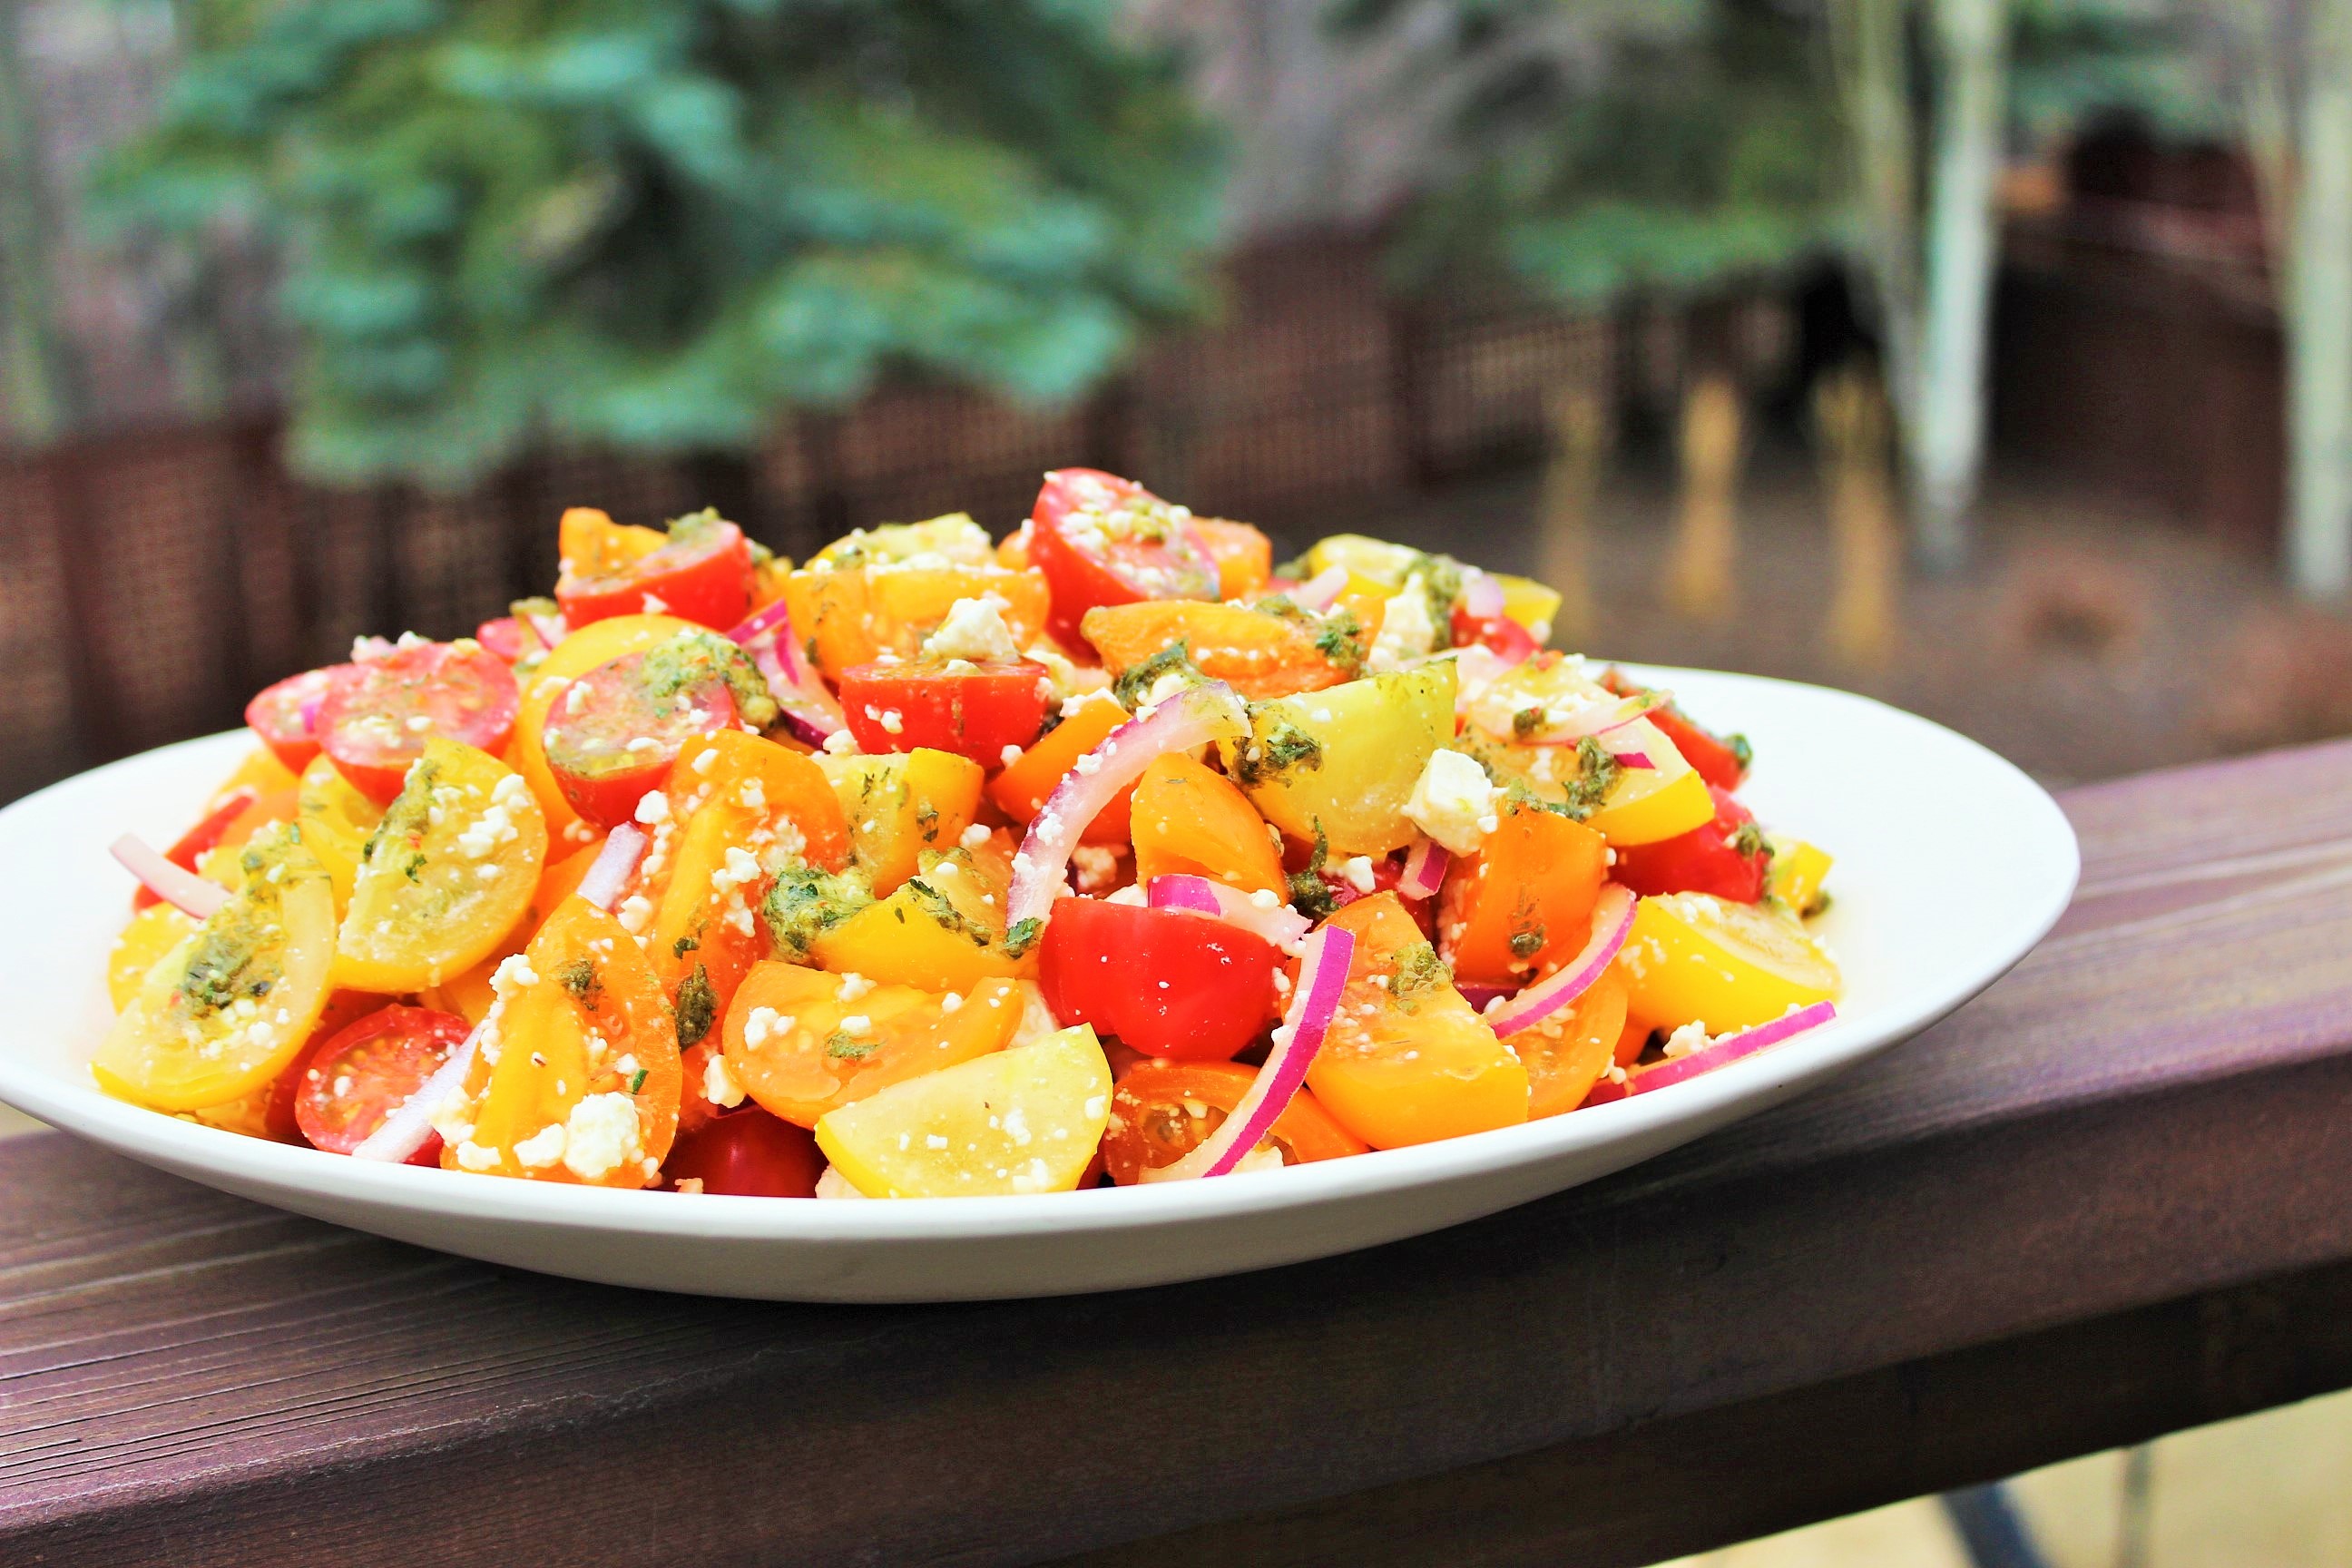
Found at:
(2107, 1198)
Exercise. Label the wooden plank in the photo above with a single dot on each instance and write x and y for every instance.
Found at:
(2152, 1108)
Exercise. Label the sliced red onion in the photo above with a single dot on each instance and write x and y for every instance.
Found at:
(1424, 869)
(613, 865)
(176, 885)
(810, 712)
(1192, 717)
(761, 620)
(1595, 719)
(1482, 595)
(1478, 995)
(1730, 1048)
(1314, 1003)
(400, 1135)
(1278, 922)
(1633, 759)
(549, 629)
(1320, 592)
(1612, 918)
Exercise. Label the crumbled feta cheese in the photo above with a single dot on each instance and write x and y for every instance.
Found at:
(511, 975)
(764, 1024)
(1454, 801)
(1406, 631)
(600, 1136)
(853, 986)
(1690, 1038)
(840, 743)
(1358, 870)
(974, 629)
(653, 808)
(976, 835)
(834, 1185)
(542, 1149)
(718, 1085)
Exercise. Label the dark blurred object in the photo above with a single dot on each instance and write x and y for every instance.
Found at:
(2137, 347)
(158, 579)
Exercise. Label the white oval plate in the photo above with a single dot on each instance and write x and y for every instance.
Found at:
(1950, 865)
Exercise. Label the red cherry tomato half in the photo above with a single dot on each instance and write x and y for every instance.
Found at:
(1501, 633)
(1162, 1110)
(1102, 540)
(377, 714)
(1708, 859)
(282, 713)
(502, 636)
(616, 731)
(972, 710)
(1296, 853)
(749, 1153)
(1163, 981)
(702, 574)
(368, 1069)
(1723, 764)
(343, 1009)
(204, 837)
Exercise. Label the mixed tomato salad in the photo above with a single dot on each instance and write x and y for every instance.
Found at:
(1109, 853)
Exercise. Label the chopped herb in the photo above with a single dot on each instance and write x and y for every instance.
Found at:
(1750, 840)
(1525, 722)
(1139, 678)
(841, 1046)
(1342, 641)
(926, 819)
(637, 1082)
(1297, 569)
(1598, 771)
(416, 864)
(1419, 971)
(1310, 895)
(804, 904)
(1271, 756)
(697, 1007)
(694, 658)
(1527, 944)
(683, 946)
(580, 978)
(1023, 937)
(1741, 751)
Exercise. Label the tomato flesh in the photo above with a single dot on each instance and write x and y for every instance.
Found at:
(1707, 859)
(1505, 636)
(282, 715)
(203, 839)
(1161, 1110)
(614, 734)
(974, 711)
(1164, 981)
(702, 574)
(1102, 540)
(502, 636)
(1719, 762)
(748, 1152)
(356, 1077)
(377, 714)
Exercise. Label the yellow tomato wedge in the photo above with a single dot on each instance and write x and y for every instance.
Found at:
(902, 804)
(943, 928)
(227, 1008)
(152, 933)
(1797, 873)
(802, 1042)
(599, 642)
(471, 995)
(1025, 1119)
(446, 876)
(576, 1077)
(1346, 758)
(1529, 603)
(337, 822)
(1645, 806)
(1696, 959)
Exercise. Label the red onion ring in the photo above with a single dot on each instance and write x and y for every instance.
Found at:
(181, 888)
(1192, 717)
(1320, 592)
(549, 629)
(1633, 759)
(1314, 1004)
(400, 1135)
(1612, 918)
(809, 713)
(1595, 719)
(1424, 869)
(1729, 1049)
(1481, 594)
(613, 865)
(1277, 923)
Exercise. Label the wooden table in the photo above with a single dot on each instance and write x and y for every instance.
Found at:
(2110, 1198)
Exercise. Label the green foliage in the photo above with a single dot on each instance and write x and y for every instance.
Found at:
(2072, 59)
(654, 222)
(1680, 147)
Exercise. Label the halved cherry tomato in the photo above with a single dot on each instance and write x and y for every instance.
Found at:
(975, 710)
(376, 715)
(282, 714)
(615, 731)
(1020, 791)
(1522, 905)
(203, 839)
(1724, 858)
(1722, 763)
(366, 1071)
(748, 1152)
(1501, 633)
(503, 638)
(1565, 1054)
(1102, 540)
(1189, 818)
(802, 1042)
(1259, 653)
(851, 614)
(701, 573)
(1164, 981)
(343, 1009)
(1162, 1110)
(1245, 556)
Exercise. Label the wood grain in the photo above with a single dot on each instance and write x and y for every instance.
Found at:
(2151, 1109)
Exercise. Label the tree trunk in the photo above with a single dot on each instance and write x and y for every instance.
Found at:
(2319, 316)
(1871, 47)
(1945, 436)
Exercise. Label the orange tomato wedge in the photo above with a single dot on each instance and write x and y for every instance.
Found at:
(802, 1042)
(1523, 904)
(1259, 653)
(1189, 819)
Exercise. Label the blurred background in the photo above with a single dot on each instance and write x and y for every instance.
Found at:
(1992, 356)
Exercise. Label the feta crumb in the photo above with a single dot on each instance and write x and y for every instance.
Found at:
(1454, 801)
(974, 629)
(542, 1149)
(1358, 870)
(840, 743)
(653, 809)
(974, 836)
(600, 1136)
(718, 1085)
